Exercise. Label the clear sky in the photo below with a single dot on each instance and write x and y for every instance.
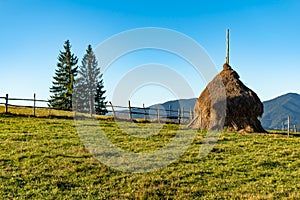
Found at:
(265, 41)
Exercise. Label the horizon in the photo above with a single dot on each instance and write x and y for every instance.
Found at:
(263, 42)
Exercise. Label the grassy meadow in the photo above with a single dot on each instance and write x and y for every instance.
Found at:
(44, 158)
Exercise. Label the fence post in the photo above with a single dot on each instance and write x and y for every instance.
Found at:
(182, 115)
(178, 117)
(295, 128)
(282, 126)
(145, 117)
(288, 125)
(129, 107)
(170, 112)
(34, 102)
(191, 114)
(158, 120)
(6, 103)
(112, 107)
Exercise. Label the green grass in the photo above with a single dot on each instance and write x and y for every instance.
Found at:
(44, 158)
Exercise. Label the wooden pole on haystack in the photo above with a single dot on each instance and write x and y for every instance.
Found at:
(227, 46)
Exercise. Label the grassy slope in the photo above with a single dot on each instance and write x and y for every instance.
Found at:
(44, 158)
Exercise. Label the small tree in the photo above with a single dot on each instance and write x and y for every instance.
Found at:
(89, 85)
(63, 83)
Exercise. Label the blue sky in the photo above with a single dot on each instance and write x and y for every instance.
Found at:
(265, 42)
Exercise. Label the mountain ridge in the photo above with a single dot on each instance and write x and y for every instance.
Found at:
(276, 110)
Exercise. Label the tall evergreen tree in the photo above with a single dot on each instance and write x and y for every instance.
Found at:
(89, 85)
(63, 84)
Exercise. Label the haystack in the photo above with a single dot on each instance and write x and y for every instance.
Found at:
(237, 110)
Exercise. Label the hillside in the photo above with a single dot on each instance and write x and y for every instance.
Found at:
(45, 158)
(276, 111)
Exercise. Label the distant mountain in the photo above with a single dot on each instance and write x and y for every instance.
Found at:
(277, 110)
(175, 104)
(151, 111)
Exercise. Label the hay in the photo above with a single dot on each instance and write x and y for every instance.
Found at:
(227, 103)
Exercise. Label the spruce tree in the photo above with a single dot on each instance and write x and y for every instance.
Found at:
(100, 103)
(63, 84)
(89, 85)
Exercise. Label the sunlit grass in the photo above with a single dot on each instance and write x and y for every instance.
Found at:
(45, 112)
(44, 158)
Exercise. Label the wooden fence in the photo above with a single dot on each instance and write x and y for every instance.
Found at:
(157, 114)
(34, 100)
(289, 128)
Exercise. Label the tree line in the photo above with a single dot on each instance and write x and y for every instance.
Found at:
(78, 87)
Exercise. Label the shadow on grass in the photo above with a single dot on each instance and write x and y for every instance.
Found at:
(293, 134)
(14, 115)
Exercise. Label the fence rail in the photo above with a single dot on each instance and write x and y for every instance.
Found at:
(157, 114)
(133, 113)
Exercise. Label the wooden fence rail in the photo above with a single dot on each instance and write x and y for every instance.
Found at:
(34, 100)
(181, 115)
(148, 113)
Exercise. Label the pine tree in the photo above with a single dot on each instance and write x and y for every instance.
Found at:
(89, 84)
(63, 83)
(100, 103)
